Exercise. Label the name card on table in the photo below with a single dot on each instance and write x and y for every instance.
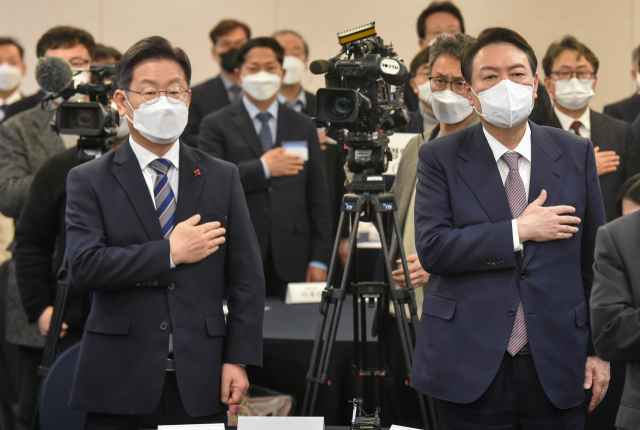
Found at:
(304, 292)
(394, 427)
(280, 423)
(193, 427)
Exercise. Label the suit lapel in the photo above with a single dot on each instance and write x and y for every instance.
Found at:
(220, 91)
(190, 185)
(480, 172)
(244, 125)
(598, 132)
(283, 131)
(128, 173)
(546, 174)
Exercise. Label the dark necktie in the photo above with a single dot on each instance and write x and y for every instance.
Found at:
(236, 92)
(575, 126)
(265, 131)
(517, 197)
(165, 201)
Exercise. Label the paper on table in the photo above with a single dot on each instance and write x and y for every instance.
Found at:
(193, 427)
(395, 427)
(397, 142)
(280, 423)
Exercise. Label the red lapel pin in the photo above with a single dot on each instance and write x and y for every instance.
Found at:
(196, 173)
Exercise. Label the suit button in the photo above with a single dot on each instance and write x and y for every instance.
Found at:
(164, 326)
(172, 287)
(523, 275)
(501, 263)
(488, 265)
(138, 285)
(144, 284)
(510, 312)
(155, 283)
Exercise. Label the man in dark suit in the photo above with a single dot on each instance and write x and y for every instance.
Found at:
(157, 231)
(615, 298)
(570, 70)
(628, 109)
(286, 193)
(227, 37)
(12, 71)
(504, 341)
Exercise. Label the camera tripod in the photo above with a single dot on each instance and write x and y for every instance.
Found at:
(378, 207)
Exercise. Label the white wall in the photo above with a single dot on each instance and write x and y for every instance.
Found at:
(607, 27)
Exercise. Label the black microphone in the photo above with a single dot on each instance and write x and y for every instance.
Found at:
(320, 67)
(53, 74)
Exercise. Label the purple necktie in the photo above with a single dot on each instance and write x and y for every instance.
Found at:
(517, 197)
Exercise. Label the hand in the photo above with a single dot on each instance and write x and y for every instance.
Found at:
(542, 224)
(606, 161)
(315, 274)
(191, 243)
(281, 164)
(234, 383)
(343, 250)
(44, 322)
(416, 273)
(323, 138)
(596, 374)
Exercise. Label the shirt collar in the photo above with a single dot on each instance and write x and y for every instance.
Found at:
(14, 97)
(226, 82)
(254, 111)
(566, 120)
(498, 149)
(302, 98)
(145, 157)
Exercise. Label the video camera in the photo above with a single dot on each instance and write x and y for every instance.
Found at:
(363, 102)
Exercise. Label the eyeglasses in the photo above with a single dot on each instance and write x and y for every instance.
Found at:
(439, 84)
(565, 75)
(151, 94)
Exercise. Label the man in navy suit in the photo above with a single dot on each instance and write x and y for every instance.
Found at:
(506, 220)
(156, 231)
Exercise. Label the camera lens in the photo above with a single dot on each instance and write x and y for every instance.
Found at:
(340, 106)
(83, 118)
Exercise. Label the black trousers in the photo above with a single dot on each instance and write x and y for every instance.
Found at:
(275, 286)
(170, 411)
(29, 359)
(515, 400)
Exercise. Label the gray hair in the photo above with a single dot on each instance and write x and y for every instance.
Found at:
(446, 44)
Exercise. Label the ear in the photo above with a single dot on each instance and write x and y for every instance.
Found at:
(24, 69)
(536, 81)
(634, 73)
(595, 83)
(422, 43)
(236, 73)
(215, 55)
(121, 103)
(284, 72)
(187, 98)
(469, 94)
(414, 85)
(551, 88)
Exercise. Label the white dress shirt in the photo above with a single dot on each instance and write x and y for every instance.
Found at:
(585, 122)
(298, 104)
(524, 168)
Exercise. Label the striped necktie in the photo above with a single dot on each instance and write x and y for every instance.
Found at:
(265, 131)
(165, 201)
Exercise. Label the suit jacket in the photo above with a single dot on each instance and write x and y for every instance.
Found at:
(310, 109)
(612, 135)
(24, 104)
(206, 98)
(464, 240)
(117, 252)
(290, 214)
(615, 306)
(626, 110)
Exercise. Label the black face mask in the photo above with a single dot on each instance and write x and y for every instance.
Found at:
(229, 60)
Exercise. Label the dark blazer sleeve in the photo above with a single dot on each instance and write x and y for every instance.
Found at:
(615, 320)
(95, 266)
(632, 154)
(190, 133)
(443, 248)
(15, 169)
(214, 139)
(245, 283)
(318, 201)
(612, 110)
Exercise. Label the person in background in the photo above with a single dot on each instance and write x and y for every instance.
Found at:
(227, 38)
(296, 56)
(628, 109)
(12, 72)
(26, 142)
(615, 309)
(543, 108)
(286, 194)
(570, 69)
(106, 55)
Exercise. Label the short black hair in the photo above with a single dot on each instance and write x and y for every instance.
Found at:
(103, 52)
(14, 42)
(295, 33)
(226, 26)
(568, 42)
(543, 108)
(630, 190)
(65, 37)
(492, 35)
(149, 48)
(438, 6)
(261, 42)
(420, 59)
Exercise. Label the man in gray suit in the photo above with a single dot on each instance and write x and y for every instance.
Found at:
(615, 300)
(26, 142)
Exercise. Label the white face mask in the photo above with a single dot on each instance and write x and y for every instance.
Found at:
(295, 70)
(424, 92)
(449, 107)
(10, 77)
(123, 128)
(638, 79)
(161, 121)
(573, 94)
(261, 86)
(506, 104)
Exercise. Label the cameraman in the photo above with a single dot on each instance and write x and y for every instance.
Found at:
(26, 142)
